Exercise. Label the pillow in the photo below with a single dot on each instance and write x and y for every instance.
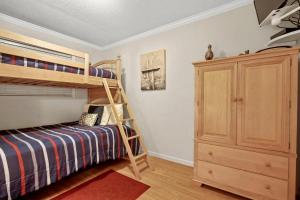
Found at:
(88, 119)
(97, 110)
(107, 117)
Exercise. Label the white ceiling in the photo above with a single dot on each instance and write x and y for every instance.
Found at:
(103, 22)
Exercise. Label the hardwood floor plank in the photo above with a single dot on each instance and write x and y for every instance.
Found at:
(168, 181)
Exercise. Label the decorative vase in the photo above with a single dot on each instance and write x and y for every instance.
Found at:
(209, 55)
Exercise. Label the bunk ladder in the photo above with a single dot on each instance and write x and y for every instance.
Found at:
(120, 95)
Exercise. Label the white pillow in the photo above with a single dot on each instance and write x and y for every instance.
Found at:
(108, 118)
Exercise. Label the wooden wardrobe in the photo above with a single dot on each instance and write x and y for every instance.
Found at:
(246, 124)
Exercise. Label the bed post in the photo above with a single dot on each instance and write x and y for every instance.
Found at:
(86, 67)
(118, 68)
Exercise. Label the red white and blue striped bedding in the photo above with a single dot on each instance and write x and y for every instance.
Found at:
(27, 62)
(36, 157)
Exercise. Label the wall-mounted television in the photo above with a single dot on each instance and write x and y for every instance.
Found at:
(265, 7)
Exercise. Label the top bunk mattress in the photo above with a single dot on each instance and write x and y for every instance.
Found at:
(27, 62)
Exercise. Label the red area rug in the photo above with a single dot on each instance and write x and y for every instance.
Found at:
(108, 186)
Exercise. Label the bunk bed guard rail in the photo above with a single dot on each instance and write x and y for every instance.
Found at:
(33, 49)
(23, 46)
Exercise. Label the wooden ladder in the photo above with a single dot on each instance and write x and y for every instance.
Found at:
(143, 157)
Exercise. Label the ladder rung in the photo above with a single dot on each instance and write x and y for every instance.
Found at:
(133, 137)
(127, 119)
(114, 87)
(140, 156)
(138, 162)
(110, 104)
(126, 157)
(123, 103)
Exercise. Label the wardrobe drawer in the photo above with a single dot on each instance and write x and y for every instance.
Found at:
(259, 185)
(270, 165)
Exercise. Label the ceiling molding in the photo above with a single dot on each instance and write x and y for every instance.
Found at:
(24, 24)
(198, 17)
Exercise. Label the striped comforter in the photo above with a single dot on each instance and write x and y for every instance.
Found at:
(27, 62)
(35, 157)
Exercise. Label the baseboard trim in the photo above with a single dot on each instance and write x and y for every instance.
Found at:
(172, 158)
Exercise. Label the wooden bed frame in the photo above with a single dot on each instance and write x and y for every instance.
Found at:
(19, 45)
(100, 90)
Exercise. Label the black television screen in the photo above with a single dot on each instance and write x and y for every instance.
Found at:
(265, 7)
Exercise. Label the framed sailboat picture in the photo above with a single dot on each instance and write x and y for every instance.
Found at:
(153, 70)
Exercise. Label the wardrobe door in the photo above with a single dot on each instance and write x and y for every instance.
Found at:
(216, 103)
(263, 103)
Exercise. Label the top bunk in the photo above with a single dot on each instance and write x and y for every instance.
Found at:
(26, 60)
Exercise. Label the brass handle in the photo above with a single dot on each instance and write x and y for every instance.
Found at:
(268, 165)
(268, 187)
(210, 153)
(210, 171)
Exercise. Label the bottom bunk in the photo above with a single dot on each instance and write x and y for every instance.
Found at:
(36, 157)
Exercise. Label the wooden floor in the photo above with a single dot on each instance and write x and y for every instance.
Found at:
(168, 181)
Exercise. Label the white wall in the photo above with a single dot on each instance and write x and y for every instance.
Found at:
(167, 117)
(28, 111)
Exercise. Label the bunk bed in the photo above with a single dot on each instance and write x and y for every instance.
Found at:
(16, 49)
(35, 157)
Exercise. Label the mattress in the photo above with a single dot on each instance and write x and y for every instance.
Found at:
(36, 157)
(27, 62)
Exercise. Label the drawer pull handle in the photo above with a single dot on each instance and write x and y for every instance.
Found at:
(268, 187)
(210, 153)
(210, 171)
(268, 165)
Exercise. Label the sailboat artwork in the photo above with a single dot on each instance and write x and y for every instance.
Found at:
(153, 70)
